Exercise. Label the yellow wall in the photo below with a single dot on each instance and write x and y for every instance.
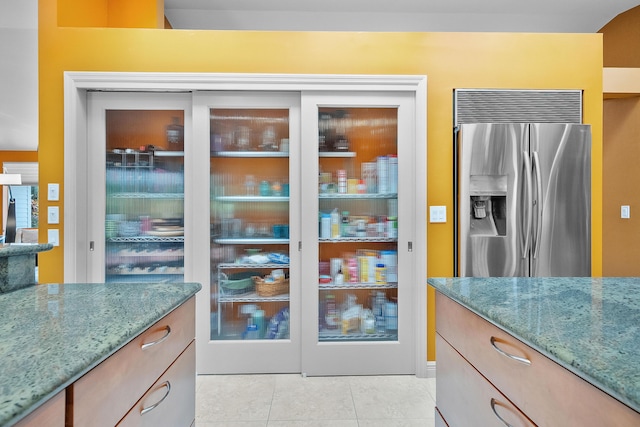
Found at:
(449, 60)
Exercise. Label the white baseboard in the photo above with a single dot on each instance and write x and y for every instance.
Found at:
(426, 370)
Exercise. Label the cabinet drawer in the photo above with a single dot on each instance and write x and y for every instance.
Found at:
(439, 421)
(547, 392)
(171, 401)
(50, 414)
(105, 394)
(466, 398)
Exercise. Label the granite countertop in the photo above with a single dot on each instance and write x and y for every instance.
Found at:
(591, 326)
(13, 249)
(51, 335)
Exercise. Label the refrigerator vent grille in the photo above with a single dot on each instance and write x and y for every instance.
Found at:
(517, 106)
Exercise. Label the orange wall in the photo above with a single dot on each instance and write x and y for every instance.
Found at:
(621, 136)
(621, 40)
(111, 13)
(449, 60)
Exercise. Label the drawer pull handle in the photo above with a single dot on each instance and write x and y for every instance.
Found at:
(509, 355)
(495, 412)
(164, 337)
(166, 384)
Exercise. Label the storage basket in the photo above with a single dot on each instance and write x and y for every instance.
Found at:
(272, 287)
(238, 283)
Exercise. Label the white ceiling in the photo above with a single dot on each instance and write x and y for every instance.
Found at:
(19, 38)
(561, 16)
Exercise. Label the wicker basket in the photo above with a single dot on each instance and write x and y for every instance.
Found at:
(271, 288)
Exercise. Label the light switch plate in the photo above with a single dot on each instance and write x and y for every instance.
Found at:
(53, 215)
(53, 192)
(625, 212)
(437, 214)
(53, 236)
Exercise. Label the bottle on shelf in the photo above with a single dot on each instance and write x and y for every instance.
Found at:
(250, 185)
(379, 311)
(332, 316)
(381, 273)
(175, 134)
(325, 226)
(335, 224)
(344, 224)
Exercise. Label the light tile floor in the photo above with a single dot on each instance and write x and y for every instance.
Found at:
(288, 400)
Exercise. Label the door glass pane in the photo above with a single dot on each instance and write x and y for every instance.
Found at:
(249, 224)
(144, 226)
(358, 227)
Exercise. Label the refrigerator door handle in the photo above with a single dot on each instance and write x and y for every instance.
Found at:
(527, 174)
(536, 168)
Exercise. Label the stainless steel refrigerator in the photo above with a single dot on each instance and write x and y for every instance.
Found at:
(524, 200)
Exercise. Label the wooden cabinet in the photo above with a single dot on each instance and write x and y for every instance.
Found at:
(170, 400)
(465, 388)
(159, 361)
(471, 350)
(51, 413)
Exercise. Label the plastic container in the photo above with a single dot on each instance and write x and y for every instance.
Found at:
(258, 320)
(342, 181)
(390, 260)
(325, 226)
(381, 273)
(332, 316)
(335, 224)
(393, 173)
(251, 332)
(383, 174)
(391, 316)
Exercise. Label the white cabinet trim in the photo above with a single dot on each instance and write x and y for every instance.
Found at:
(76, 85)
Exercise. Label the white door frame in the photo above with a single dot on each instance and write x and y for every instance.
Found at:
(76, 84)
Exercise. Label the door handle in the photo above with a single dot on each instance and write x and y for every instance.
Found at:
(539, 205)
(526, 166)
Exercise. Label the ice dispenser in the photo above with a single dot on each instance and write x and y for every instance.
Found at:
(488, 205)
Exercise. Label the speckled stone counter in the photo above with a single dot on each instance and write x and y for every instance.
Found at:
(18, 263)
(51, 335)
(591, 326)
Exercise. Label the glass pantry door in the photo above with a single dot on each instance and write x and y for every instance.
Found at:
(136, 155)
(357, 295)
(253, 311)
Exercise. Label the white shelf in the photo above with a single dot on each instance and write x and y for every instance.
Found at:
(338, 154)
(260, 199)
(248, 154)
(334, 196)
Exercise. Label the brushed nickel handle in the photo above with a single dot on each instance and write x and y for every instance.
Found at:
(526, 162)
(164, 337)
(539, 206)
(495, 412)
(166, 384)
(522, 360)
